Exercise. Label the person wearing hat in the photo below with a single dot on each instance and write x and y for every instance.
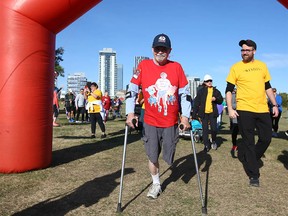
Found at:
(252, 79)
(164, 84)
(205, 108)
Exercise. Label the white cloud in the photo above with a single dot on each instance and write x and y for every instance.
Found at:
(275, 60)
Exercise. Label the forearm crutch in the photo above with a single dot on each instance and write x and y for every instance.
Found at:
(119, 207)
(204, 209)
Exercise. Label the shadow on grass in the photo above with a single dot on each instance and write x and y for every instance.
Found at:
(73, 153)
(185, 169)
(87, 194)
(284, 158)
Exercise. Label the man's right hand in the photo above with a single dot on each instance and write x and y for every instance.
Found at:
(129, 120)
(232, 113)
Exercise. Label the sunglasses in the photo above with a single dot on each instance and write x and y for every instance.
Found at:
(160, 49)
(206, 81)
(246, 50)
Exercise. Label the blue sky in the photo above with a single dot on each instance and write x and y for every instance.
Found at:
(204, 36)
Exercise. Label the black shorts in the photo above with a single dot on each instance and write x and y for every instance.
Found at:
(55, 110)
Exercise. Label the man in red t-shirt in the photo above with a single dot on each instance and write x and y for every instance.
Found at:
(106, 101)
(164, 87)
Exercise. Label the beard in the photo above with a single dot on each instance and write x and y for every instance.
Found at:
(247, 58)
(161, 57)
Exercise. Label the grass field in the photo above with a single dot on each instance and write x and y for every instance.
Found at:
(84, 178)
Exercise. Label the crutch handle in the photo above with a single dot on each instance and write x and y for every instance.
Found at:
(181, 127)
(134, 121)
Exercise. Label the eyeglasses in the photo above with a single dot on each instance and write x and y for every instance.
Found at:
(160, 49)
(206, 81)
(246, 50)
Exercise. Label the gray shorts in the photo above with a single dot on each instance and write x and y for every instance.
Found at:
(156, 138)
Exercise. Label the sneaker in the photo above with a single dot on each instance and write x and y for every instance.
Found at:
(234, 152)
(103, 136)
(214, 145)
(93, 136)
(154, 191)
(274, 134)
(286, 133)
(254, 182)
(207, 148)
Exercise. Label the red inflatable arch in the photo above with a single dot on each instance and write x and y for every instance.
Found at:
(27, 45)
(284, 3)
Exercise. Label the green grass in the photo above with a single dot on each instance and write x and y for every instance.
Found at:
(84, 178)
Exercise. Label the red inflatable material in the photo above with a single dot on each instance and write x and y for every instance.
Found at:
(284, 3)
(27, 51)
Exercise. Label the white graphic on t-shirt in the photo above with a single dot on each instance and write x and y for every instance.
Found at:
(165, 92)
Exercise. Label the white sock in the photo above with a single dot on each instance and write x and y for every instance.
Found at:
(156, 178)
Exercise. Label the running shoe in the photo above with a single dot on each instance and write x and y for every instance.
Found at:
(154, 191)
(214, 145)
(254, 182)
(234, 152)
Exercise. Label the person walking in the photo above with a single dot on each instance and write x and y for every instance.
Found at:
(70, 105)
(106, 101)
(80, 105)
(252, 79)
(94, 98)
(205, 108)
(55, 106)
(234, 127)
(163, 81)
(275, 120)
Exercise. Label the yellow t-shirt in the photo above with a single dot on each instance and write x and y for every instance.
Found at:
(92, 107)
(208, 105)
(250, 79)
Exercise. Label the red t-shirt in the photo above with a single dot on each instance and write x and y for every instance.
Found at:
(106, 101)
(160, 85)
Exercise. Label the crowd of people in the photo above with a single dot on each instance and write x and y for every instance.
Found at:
(158, 99)
(82, 107)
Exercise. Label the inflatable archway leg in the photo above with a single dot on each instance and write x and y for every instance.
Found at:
(27, 47)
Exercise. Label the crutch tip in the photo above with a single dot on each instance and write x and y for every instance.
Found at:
(204, 211)
(119, 208)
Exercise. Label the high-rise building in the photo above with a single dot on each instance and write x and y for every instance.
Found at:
(137, 60)
(119, 77)
(108, 71)
(194, 83)
(76, 81)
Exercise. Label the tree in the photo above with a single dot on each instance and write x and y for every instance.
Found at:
(58, 58)
(284, 99)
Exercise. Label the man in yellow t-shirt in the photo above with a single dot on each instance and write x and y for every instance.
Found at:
(252, 80)
(94, 107)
